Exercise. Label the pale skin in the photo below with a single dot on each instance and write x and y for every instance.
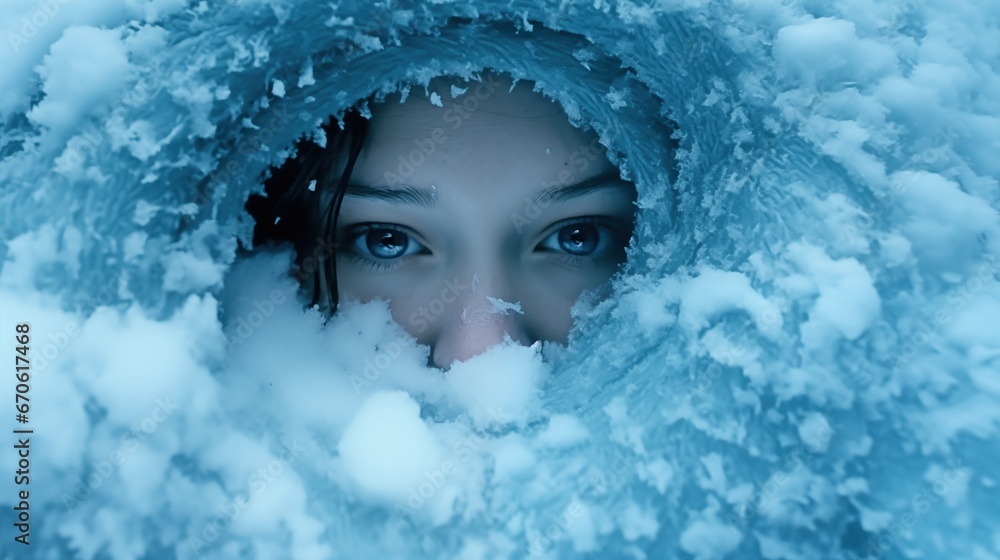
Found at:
(483, 219)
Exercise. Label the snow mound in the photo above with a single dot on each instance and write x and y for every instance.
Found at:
(800, 360)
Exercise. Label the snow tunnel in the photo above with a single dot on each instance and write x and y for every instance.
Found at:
(798, 358)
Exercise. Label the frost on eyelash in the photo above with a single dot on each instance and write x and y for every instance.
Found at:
(501, 307)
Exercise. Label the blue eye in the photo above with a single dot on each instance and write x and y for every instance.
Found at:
(590, 236)
(379, 242)
(579, 239)
(386, 244)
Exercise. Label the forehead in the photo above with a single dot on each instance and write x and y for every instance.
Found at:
(488, 134)
(484, 109)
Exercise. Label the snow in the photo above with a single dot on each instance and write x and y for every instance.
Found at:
(846, 303)
(501, 307)
(706, 539)
(829, 48)
(82, 69)
(799, 360)
(278, 89)
(386, 445)
(562, 431)
(499, 387)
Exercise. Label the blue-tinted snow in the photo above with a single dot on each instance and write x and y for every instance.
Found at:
(802, 360)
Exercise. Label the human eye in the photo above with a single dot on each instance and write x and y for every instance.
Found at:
(594, 238)
(382, 246)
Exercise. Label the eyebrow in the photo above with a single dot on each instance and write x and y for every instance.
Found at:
(402, 195)
(410, 195)
(583, 188)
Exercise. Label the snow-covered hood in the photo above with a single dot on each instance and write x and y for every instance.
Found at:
(801, 360)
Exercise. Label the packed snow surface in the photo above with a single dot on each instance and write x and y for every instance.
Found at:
(801, 359)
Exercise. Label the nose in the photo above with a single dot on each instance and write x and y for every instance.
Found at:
(480, 319)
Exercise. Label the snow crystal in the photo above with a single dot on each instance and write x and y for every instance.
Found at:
(501, 307)
(278, 89)
(798, 359)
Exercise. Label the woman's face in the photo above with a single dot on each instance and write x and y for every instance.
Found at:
(484, 218)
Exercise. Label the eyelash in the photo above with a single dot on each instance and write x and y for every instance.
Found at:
(606, 225)
(374, 264)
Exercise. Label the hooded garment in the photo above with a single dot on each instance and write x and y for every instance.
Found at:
(800, 360)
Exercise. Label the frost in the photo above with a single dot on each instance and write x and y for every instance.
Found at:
(144, 212)
(562, 431)
(617, 98)
(84, 67)
(306, 78)
(501, 307)
(188, 273)
(798, 361)
(710, 538)
(848, 302)
(278, 89)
